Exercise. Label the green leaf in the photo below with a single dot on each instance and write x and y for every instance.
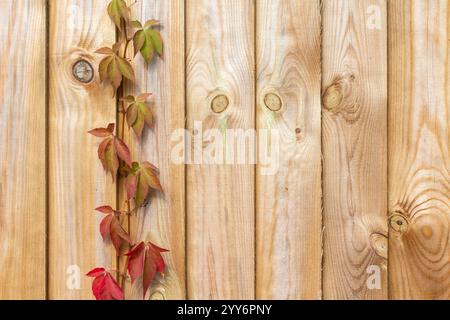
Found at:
(147, 49)
(118, 10)
(156, 40)
(138, 41)
(136, 24)
(103, 68)
(151, 23)
(114, 73)
(125, 68)
(139, 113)
(111, 160)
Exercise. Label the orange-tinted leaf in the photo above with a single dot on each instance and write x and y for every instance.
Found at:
(104, 50)
(100, 132)
(118, 235)
(111, 160)
(143, 97)
(141, 191)
(122, 151)
(105, 209)
(111, 127)
(131, 185)
(150, 176)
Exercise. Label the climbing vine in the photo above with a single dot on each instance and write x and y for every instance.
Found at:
(143, 260)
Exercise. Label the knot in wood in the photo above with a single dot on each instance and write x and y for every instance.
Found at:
(398, 222)
(220, 103)
(333, 97)
(83, 71)
(273, 102)
(379, 244)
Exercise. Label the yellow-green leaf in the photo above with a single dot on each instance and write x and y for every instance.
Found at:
(138, 41)
(156, 40)
(114, 73)
(125, 68)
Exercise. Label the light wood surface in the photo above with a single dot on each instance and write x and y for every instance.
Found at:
(163, 219)
(354, 137)
(419, 162)
(77, 182)
(288, 198)
(22, 149)
(220, 198)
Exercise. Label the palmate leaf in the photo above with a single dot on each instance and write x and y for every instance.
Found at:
(104, 286)
(118, 10)
(143, 178)
(138, 113)
(145, 260)
(113, 68)
(147, 40)
(110, 227)
(111, 149)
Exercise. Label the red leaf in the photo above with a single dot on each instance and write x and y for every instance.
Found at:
(104, 287)
(145, 260)
(149, 272)
(131, 186)
(105, 226)
(105, 209)
(122, 151)
(95, 272)
(111, 127)
(136, 261)
(100, 132)
(110, 226)
(118, 235)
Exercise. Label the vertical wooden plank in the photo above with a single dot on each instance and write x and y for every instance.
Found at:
(77, 181)
(163, 220)
(354, 149)
(419, 180)
(220, 197)
(289, 223)
(22, 149)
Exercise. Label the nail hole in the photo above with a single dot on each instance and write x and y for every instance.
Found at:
(83, 71)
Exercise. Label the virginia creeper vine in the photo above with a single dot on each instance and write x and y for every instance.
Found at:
(143, 259)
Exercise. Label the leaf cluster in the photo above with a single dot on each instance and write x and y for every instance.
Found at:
(144, 260)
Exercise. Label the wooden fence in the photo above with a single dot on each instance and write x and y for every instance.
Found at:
(358, 89)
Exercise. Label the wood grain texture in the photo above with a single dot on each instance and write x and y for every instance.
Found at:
(288, 199)
(77, 181)
(354, 126)
(163, 220)
(22, 149)
(419, 162)
(220, 198)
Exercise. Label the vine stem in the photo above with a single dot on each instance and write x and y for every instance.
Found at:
(122, 136)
